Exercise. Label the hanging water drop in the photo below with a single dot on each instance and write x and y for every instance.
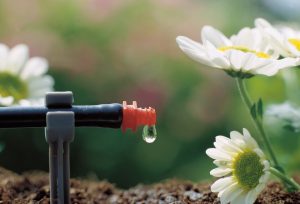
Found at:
(149, 133)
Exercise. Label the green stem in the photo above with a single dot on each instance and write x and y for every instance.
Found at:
(293, 184)
(257, 122)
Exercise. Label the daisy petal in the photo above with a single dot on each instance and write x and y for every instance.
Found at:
(235, 57)
(221, 184)
(272, 69)
(266, 165)
(218, 155)
(34, 67)
(214, 36)
(6, 101)
(251, 197)
(262, 23)
(226, 144)
(220, 172)
(249, 140)
(199, 57)
(17, 58)
(221, 163)
(185, 42)
(264, 179)
(230, 193)
(39, 86)
(240, 199)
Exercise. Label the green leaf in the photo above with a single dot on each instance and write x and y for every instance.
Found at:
(253, 111)
(289, 127)
(260, 110)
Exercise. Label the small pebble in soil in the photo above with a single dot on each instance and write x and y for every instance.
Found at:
(170, 199)
(192, 195)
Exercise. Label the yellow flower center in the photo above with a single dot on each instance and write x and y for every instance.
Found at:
(295, 42)
(12, 85)
(247, 169)
(244, 49)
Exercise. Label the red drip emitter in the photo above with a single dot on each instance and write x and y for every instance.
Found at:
(133, 117)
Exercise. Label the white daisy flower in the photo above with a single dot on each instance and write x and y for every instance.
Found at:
(242, 55)
(285, 40)
(286, 112)
(22, 80)
(243, 166)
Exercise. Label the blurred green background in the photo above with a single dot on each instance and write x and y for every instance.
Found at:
(109, 51)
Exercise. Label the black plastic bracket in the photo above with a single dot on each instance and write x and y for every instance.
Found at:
(59, 133)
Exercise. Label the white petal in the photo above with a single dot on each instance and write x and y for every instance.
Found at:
(266, 165)
(17, 57)
(235, 58)
(34, 67)
(273, 68)
(186, 42)
(230, 193)
(24, 102)
(275, 38)
(287, 62)
(32, 102)
(254, 193)
(39, 86)
(6, 101)
(248, 61)
(246, 133)
(288, 32)
(250, 142)
(40, 83)
(217, 154)
(260, 153)
(221, 62)
(221, 184)
(277, 41)
(214, 36)
(249, 38)
(262, 23)
(206, 55)
(237, 138)
(235, 135)
(220, 172)
(40, 93)
(294, 52)
(216, 56)
(259, 188)
(225, 149)
(254, 62)
(251, 197)
(240, 199)
(198, 56)
(226, 144)
(264, 179)
(221, 163)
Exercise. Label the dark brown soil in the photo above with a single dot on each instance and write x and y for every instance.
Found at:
(33, 188)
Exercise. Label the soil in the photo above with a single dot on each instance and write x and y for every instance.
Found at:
(33, 188)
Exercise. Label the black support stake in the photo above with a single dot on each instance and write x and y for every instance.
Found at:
(59, 132)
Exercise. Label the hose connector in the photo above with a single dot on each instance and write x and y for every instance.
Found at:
(133, 117)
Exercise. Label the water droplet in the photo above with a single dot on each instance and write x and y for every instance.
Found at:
(149, 133)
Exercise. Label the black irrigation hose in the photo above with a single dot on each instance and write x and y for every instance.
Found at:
(104, 115)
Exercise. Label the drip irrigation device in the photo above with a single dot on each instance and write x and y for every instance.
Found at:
(60, 117)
